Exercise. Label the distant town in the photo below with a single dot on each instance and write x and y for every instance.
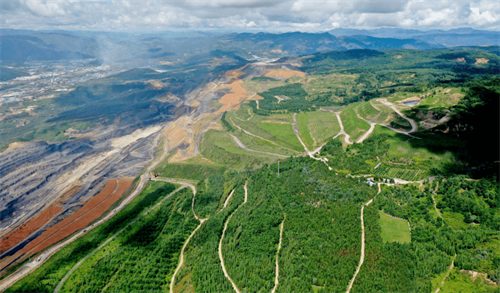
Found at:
(47, 79)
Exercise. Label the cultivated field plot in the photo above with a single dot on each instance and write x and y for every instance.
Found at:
(261, 144)
(400, 173)
(304, 132)
(353, 125)
(393, 229)
(275, 128)
(322, 126)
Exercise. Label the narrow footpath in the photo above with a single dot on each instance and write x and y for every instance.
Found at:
(222, 238)
(447, 274)
(277, 255)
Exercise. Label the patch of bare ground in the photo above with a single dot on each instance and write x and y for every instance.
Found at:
(475, 275)
(460, 60)
(199, 124)
(92, 210)
(25, 230)
(179, 134)
(481, 61)
(256, 98)
(283, 73)
(398, 56)
(410, 99)
(232, 100)
(234, 73)
(157, 84)
(15, 145)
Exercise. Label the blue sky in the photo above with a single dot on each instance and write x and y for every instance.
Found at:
(256, 15)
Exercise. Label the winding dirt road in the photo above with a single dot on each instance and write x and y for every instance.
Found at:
(181, 257)
(296, 131)
(347, 137)
(244, 147)
(362, 257)
(222, 238)
(372, 126)
(414, 125)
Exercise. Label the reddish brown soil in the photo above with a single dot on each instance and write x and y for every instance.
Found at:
(29, 227)
(92, 210)
(70, 193)
(282, 73)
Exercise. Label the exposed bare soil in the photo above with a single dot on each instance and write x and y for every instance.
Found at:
(283, 73)
(232, 100)
(29, 227)
(481, 61)
(92, 210)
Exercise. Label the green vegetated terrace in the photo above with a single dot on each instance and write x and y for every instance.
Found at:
(393, 229)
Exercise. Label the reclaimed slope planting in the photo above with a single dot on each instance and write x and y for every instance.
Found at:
(92, 210)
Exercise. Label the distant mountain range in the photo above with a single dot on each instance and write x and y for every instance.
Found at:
(25, 45)
(450, 38)
(306, 43)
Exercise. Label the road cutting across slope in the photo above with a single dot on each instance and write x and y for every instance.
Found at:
(244, 147)
(181, 257)
(221, 258)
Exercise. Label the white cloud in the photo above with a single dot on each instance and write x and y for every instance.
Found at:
(264, 15)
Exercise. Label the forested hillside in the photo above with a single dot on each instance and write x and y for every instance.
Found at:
(357, 171)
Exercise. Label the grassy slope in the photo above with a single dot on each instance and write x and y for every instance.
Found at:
(353, 125)
(322, 126)
(304, 132)
(394, 229)
(221, 149)
(282, 132)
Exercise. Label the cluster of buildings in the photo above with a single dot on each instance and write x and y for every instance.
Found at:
(45, 79)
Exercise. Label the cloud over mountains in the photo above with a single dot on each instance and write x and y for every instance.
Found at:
(264, 15)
